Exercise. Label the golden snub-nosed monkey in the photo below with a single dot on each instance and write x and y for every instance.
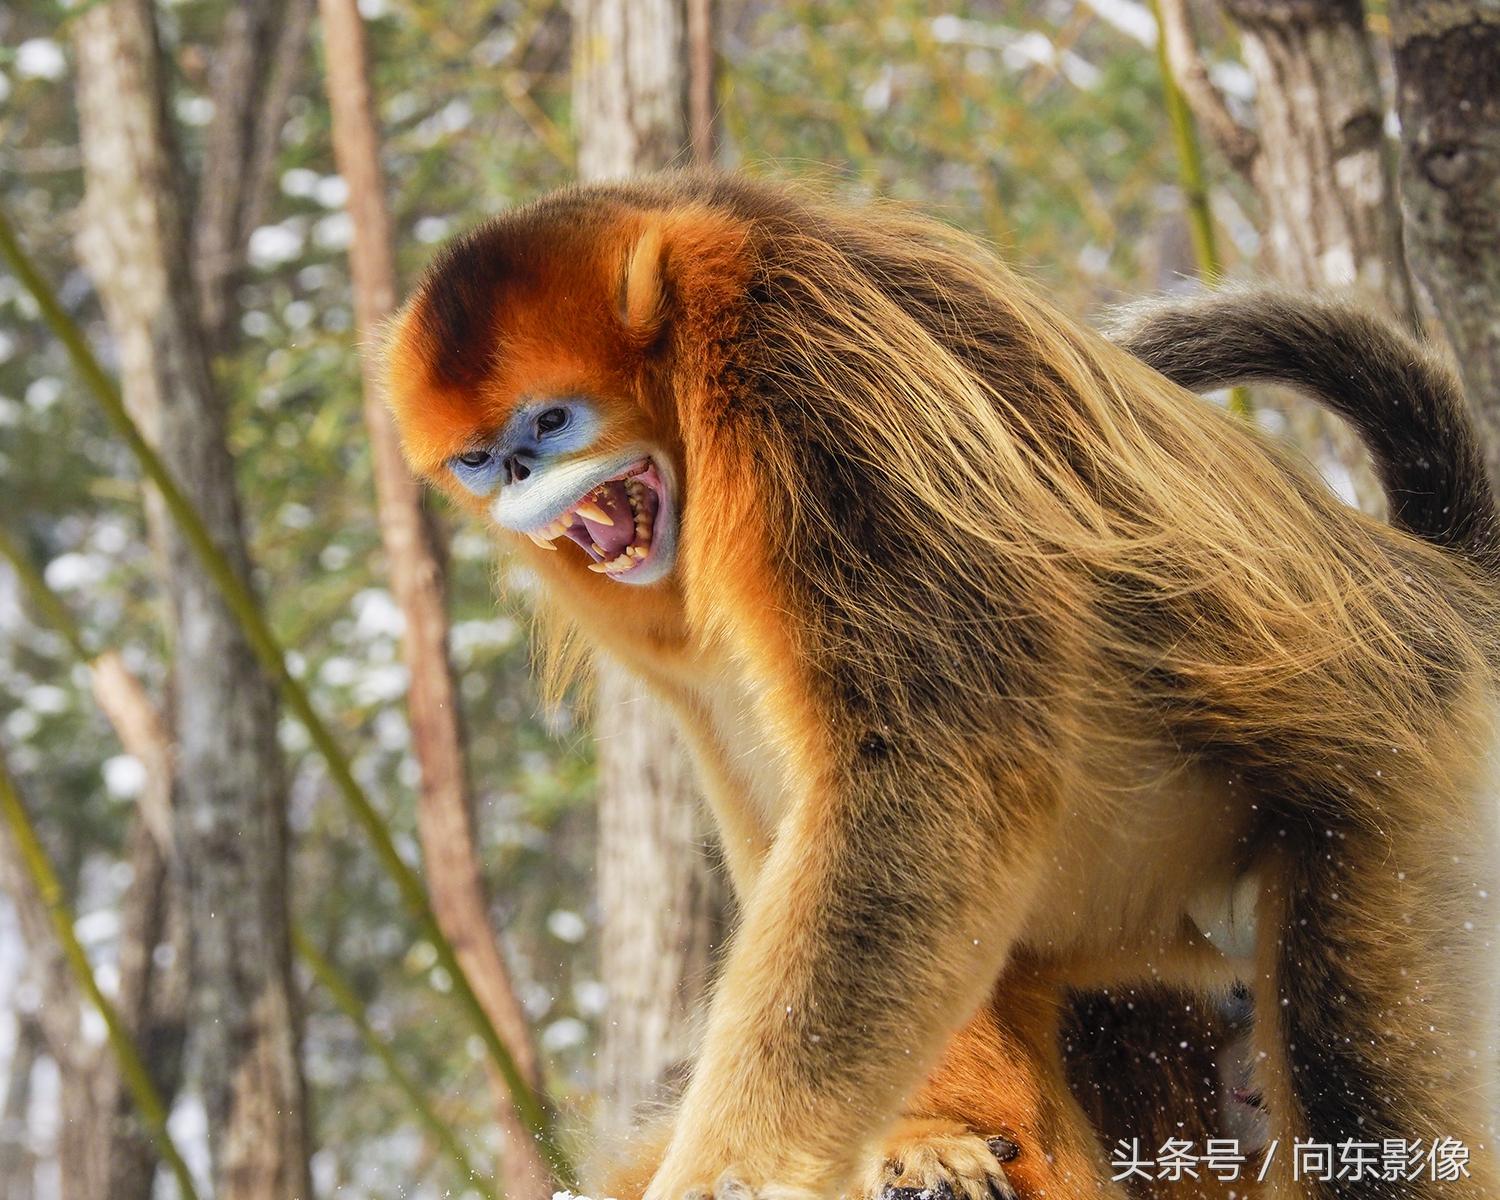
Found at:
(1012, 669)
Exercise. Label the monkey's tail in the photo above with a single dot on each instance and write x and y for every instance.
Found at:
(1406, 405)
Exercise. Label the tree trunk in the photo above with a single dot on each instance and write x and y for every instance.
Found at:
(702, 82)
(230, 825)
(152, 995)
(1323, 173)
(79, 1141)
(254, 71)
(1448, 95)
(630, 86)
(658, 897)
(152, 1003)
(17, 1161)
(445, 807)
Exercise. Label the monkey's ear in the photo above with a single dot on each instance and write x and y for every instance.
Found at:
(687, 267)
(642, 302)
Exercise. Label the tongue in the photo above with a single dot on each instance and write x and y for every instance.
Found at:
(612, 539)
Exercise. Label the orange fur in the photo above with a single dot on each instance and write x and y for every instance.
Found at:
(1008, 665)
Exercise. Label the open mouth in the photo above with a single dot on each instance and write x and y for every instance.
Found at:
(614, 522)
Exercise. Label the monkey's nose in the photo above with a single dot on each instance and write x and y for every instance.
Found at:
(516, 468)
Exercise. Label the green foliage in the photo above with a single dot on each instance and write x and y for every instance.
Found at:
(1030, 124)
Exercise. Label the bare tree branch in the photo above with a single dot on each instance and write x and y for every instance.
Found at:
(153, 991)
(254, 71)
(152, 1002)
(48, 922)
(702, 72)
(1238, 144)
(285, 69)
(118, 1163)
(445, 812)
(143, 735)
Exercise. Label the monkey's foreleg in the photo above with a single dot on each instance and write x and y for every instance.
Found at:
(886, 906)
(996, 1118)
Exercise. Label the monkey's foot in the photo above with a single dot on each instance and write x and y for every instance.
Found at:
(928, 1158)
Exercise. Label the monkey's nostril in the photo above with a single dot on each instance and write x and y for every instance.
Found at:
(516, 469)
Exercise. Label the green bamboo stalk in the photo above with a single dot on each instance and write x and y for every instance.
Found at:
(43, 876)
(47, 601)
(1193, 181)
(242, 604)
(343, 996)
(57, 614)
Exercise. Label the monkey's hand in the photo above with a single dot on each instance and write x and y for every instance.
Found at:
(937, 1158)
(922, 1158)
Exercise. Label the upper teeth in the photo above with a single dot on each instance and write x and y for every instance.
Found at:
(587, 508)
(630, 556)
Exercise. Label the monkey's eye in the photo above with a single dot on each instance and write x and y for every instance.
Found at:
(552, 420)
(475, 458)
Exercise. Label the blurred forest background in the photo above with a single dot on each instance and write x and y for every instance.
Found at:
(212, 206)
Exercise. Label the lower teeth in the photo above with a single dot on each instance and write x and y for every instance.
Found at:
(636, 552)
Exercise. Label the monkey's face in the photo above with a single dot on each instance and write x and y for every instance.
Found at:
(527, 382)
(555, 470)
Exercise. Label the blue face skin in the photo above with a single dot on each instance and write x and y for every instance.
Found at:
(538, 469)
(534, 438)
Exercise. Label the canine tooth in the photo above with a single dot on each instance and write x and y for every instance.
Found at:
(541, 541)
(587, 508)
(598, 568)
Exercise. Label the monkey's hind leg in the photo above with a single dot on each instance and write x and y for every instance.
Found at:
(1375, 1006)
